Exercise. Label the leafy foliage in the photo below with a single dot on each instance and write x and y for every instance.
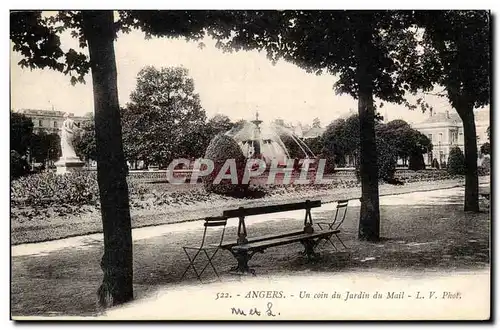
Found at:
(456, 161)
(387, 159)
(456, 54)
(220, 149)
(435, 163)
(18, 165)
(216, 125)
(85, 142)
(329, 44)
(408, 142)
(341, 138)
(416, 162)
(485, 167)
(45, 147)
(394, 139)
(315, 144)
(485, 148)
(77, 188)
(36, 38)
(164, 119)
(21, 130)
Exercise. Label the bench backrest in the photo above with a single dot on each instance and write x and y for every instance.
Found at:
(243, 212)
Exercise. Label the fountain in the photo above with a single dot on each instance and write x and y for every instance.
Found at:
(259, 140)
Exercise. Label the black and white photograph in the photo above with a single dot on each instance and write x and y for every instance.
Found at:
(250, 165)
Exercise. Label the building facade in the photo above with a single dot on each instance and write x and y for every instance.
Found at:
(49, 121)
(445, 130)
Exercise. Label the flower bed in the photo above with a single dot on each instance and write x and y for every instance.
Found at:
(45, 195)
(424, 175)
(79, 188)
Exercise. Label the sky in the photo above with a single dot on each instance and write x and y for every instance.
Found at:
(234, 84)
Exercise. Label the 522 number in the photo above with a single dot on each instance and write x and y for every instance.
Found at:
(222, 295)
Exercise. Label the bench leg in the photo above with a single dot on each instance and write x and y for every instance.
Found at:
(309, 245)
(242, 267)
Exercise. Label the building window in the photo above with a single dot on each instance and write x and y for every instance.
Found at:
(453, 136)
(55, 124)
(40, 122)
(430, 137)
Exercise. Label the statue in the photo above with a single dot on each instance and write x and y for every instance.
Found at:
(68, 132)
(69, 161)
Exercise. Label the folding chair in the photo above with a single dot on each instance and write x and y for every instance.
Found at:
(340, 214)
(205, 247)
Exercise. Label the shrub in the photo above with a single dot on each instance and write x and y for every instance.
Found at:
(387, 160)
(456, 162)
(435, 163)
(416, 162)
(485, 148)
(220, 149)
(18, 165)
(485, 167)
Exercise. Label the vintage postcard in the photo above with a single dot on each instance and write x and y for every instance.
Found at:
(250, 165)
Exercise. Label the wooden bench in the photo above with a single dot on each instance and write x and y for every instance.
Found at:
(244, 248)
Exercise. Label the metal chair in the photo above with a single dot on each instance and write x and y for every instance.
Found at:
(205, 247)
(339, 218)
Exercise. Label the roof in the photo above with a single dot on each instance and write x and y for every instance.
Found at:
(443, 117)
(452, 118)
(313, 133)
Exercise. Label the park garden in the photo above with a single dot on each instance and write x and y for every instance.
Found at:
(380, 56)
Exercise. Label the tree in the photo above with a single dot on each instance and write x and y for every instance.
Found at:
(369, 51)
(164, 119)
(45, 147)
(98, 29)
(21, 130)
(341, 138)
(85, 144)
(218, 124)
(406, 141)
(36, 38)
(456, 56)
(315, 144)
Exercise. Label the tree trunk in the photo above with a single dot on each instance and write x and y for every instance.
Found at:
(369, 221)
(471, 202)
(116, 263)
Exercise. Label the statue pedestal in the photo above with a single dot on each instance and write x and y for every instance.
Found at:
(65, 165)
